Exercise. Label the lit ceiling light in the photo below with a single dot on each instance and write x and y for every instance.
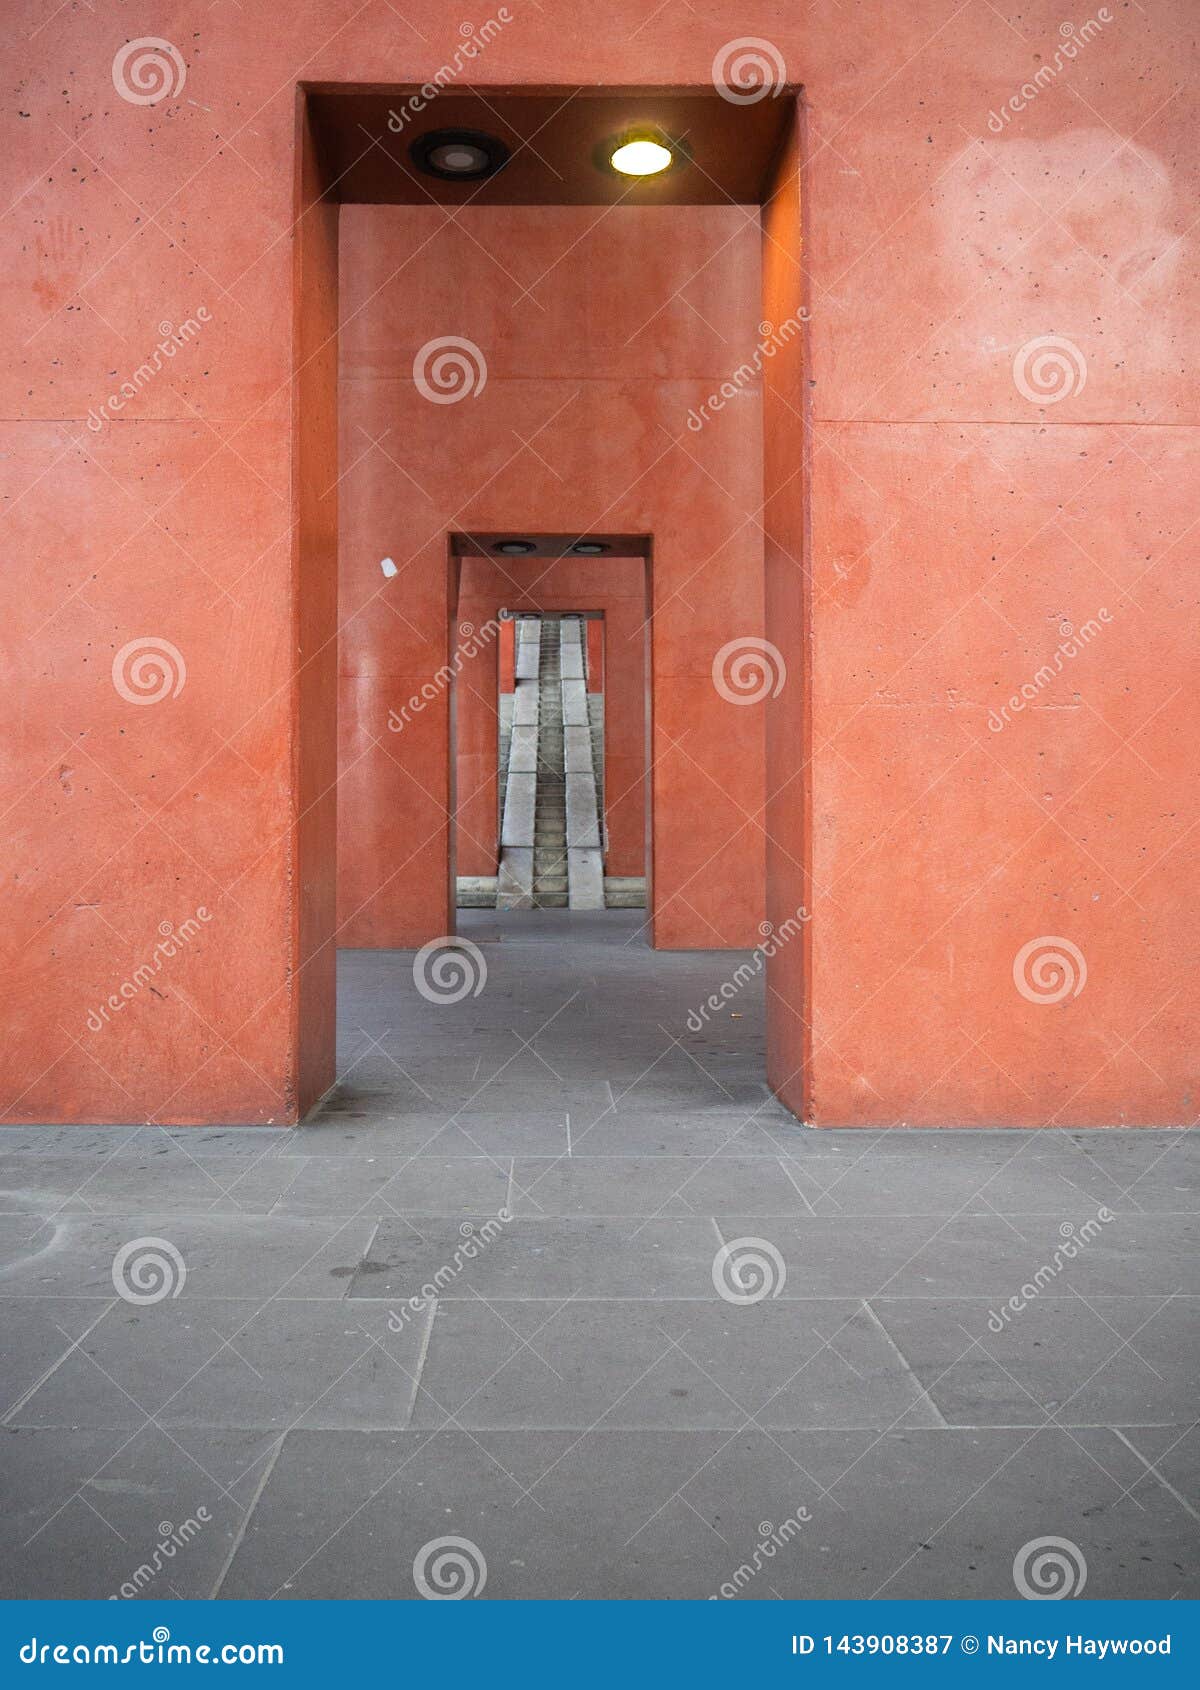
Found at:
(458, 155)
(514, 548)
(589, 548)
(641, 155)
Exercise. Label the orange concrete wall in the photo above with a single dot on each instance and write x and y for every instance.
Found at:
(313, 865)
(961, 531)
(476, 738)
(508, 656)
(582, 421)
(957, 525)
(595, 656)
(786, 663)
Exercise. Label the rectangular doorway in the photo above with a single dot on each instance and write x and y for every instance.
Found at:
(609, 389)
(551, 659)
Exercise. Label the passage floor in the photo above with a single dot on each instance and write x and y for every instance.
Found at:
(597, 1395)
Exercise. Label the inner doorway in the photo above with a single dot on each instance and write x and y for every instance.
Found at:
(549, 841)
(551, 677)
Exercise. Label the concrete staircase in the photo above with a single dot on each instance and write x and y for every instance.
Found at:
(585, 853)
(551, 827)
(550, 884)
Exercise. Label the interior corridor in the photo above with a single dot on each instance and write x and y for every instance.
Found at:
(553, 1273)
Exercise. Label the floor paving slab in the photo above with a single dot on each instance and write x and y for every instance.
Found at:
(977, 1255)
(397, 1136)
(538, 1257)
(1083, 1360)
(1009, 1174)
(673, 1132)
(166, 1179)
(668, 1514)
(349, 1516)
(422, 1184)
(208, 1362)
(222, 1255)
(1172, 1458)
(910, 1514)
(94, 1514)
(650, 1185)
(687, 1366)
(36, 1332)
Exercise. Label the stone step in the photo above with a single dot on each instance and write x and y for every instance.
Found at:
(624, 892)
(476, 892)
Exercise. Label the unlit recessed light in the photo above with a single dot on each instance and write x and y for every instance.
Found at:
(514, 548)
(458, 155)
(589, 548)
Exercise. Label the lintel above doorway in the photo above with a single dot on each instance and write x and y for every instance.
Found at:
(552, 136)
(548, 545)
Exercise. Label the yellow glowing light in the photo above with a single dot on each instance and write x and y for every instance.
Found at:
(641, 158)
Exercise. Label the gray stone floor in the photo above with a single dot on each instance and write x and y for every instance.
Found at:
(562, 1161)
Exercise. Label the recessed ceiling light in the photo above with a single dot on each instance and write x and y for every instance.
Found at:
(589, 548)
(641, 156)
(514, 548)
(458, 155)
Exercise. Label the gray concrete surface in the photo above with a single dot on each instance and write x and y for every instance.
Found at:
(585, 876)
(519, 802)
(574, 697)
(574, 1173)
(514, 883)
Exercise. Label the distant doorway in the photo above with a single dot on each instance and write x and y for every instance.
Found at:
(550, 664)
